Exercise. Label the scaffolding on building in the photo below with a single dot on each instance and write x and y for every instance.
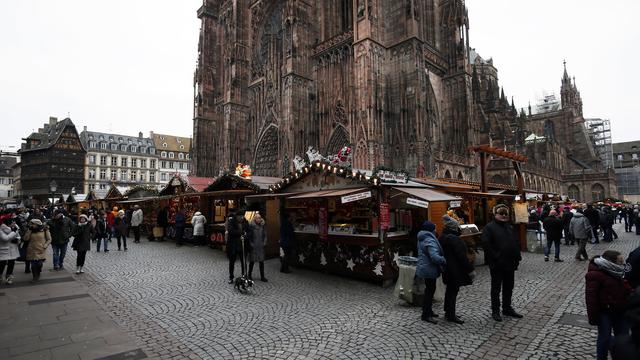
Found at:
(600, 134)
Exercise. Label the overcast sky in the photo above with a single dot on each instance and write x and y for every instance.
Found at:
(127, 65)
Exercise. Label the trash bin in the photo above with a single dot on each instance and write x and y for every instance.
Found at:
(535, 240)
(408, 287)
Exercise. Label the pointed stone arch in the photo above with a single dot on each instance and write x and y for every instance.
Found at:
(265, 159)
(460, 176)
(447, 174)
(339, 139)
(361, 156)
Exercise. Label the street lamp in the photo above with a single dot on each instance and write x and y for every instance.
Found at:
(53, 186)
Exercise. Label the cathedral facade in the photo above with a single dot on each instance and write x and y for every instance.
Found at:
(390, 79)
(395, 80)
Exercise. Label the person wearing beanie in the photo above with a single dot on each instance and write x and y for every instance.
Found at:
(39, 239)
(431, 262)
(502, 254)
(82, 241)
(458, 268)
(554, 227)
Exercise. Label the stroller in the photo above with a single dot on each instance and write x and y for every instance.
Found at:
(243, 283)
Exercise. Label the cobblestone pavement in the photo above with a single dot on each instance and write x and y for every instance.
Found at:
(176, 303)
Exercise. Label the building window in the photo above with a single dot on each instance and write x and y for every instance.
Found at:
(92, 159)
(103, 160)
(152, 163)
(92, 187)
(103, 174)
(114, 147)
(163, 164)
(181, 166)
(114, 174)
(181, 156)
(92, 173)
(134, 162)
(187, 166)
(103, 186)
(114, 161)
(164, 145)
(134, 148)
(123, 175)
(171, 155)
(123, 162)
(142, 176)
(103, 146)
(181, 147)
(163, 154)
(163, 177)
(134, 176)
(152, 177)
(170, 164)
(143, 163)
(187, 156)
(123, 147)
(620, 157)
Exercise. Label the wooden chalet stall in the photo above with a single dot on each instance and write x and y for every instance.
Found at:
(352, 224)
(76, 203)
(228, 193)
(148, 200)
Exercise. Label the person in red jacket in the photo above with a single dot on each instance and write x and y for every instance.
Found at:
(606, 296)
(111, 219)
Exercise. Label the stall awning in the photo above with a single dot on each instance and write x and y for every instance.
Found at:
(327, 193)
(269, 196)
(428, 194)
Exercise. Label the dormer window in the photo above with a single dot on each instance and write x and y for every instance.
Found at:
(163, 154)
(181, 147)
(171, 155)
(134, 148)
(181, 156)
(164, 145)
(123, 147)
(120, 139)
(103, 146)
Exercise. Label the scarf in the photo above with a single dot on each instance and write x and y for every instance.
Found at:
(612, 268)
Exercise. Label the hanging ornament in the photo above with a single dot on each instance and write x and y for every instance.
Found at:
(323, 259)
(378, 269)
(301, 258)
(395, 257)
(350, 264)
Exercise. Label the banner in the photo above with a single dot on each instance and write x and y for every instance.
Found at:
(418, 203)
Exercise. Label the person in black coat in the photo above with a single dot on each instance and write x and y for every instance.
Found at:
(82, 241)
(593, 215)
(502, 254)
(236, 233)
(162, 220)
(567, 215)
(458, 268)
(554, 227)
(633, 276)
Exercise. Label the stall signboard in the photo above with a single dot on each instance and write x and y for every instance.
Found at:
(356, 197)
(418, 203)
(385, 216)
(323, 224)
(455, 204)
(521, 213)
(392, 177)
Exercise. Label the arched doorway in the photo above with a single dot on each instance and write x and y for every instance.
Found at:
(597, 192)
(574, 192)
(266, 155)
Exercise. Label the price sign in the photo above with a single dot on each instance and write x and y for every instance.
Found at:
(356, 197)
(418, 203)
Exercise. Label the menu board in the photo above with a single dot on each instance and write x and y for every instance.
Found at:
(521, 213)
(385, 217)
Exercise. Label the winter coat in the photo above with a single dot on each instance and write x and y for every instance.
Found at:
(287, 234)
(501, 248)
(458, 266)
(137, 217)
(431, 259)
(9, 243)
(580, 228)
(257, 235)
(633, 276)
(593, 215)
(235, 231)
(120, 224)
(553, 226)
(566, 219)
(534, 222)
(101, 228)
(181, 221)
(110, 220)
(61, 230)
(82, 238)
(198, 220)
(604, 293)
(39, 240)
(163, 218)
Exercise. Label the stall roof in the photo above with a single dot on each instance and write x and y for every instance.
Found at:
(199, 183)
(327, 193)
(427, 194)
(264, 181)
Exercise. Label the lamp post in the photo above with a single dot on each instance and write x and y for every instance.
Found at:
(53, 186)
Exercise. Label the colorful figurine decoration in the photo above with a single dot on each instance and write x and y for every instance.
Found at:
(243, 171)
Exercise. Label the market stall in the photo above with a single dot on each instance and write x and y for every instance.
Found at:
(350, 223)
